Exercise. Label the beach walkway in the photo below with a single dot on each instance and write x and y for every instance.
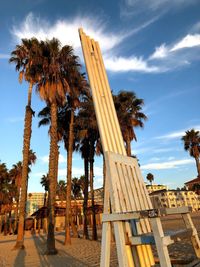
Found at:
(82, 253)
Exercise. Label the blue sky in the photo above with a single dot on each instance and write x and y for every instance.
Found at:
(151, 47)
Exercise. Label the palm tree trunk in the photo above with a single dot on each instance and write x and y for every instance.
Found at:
(56, 167)
(10, 223)
(128, 147)
(16, 216)
(0, 223)
(51, 249)
(69, 180)
(26, 148)
(45, 198)
(85, 202)
(5, 228)
(94, 226)
(198, 165)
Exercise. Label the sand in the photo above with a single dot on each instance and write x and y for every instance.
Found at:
(82, 252)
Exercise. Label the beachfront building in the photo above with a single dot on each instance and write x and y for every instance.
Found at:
(194, 185)
(34, 202)
(155, 187)
(175, 198)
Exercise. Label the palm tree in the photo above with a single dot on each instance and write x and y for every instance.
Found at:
(24, 58)
(45, 183)
(191, 141)
(76, 193)
(87, 121)
(65, 128)
(7, 193)
(150, 177)
(85, 153)
(130, 115)
(16, 176)
(53, 87)
(78, 87)
(45, 115)
(61, 191)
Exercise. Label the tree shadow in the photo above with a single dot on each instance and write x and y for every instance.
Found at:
(20, 259)
(62, 259)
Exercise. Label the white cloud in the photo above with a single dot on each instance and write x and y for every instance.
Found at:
(15, 119)
(170, 51)
(121, 64)
(166, 165)
(160, 52)
(77, 172)
(62, 159)
(4, 56)
(45, 159)
(135, 7)
(178, 134)
(187, 42)
(164, 57)
(66, 31)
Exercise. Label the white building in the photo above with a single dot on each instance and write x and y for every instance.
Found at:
(175, 198)
(34, 202)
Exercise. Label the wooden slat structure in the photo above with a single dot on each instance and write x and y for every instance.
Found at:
(126, 201)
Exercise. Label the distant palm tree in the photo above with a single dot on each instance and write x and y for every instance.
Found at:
(61, 191)
(7, 194)
(150, 177)
(78, 86)
(88, 123)
(191, 141)
(130, 115)
(24, 57)
(76, 193)
(85, 154)
(45, 183)
(16, 176)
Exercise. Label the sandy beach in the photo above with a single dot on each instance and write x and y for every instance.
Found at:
(82, 253)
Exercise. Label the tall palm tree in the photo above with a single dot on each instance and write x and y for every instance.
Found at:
(65, 128)
(85, 153)
(191, 141)
(130, 115)
(78, 87)
(87, 121)
(45, 115)
(24, 57)
(53, 87)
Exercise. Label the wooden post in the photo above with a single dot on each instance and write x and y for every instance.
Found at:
(194, 238)
(161, 247)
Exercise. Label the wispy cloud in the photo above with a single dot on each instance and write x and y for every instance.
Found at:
(67, 32)
(178, 134)
(4, 56)
(136, 7)
(45, 159)
(122, 64)
(164, 51)
(167, 164)
(77, 172)
(163, 59)
(15, 119)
